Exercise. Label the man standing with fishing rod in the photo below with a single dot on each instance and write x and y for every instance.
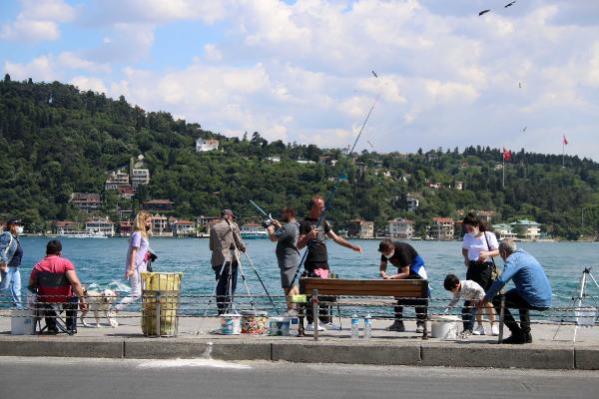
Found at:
(314, 230)
(225, 239)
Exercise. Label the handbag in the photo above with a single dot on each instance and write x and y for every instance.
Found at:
(495, 272)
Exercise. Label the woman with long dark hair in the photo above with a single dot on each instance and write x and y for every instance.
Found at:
(478, 250)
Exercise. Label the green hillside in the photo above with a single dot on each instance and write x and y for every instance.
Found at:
(57, 140)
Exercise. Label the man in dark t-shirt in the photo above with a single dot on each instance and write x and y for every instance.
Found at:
(314, 237)
(409, 265)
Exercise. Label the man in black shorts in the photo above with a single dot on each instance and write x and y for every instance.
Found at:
(409, 265)
(317, 261)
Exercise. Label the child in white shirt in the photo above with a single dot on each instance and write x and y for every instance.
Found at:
(470, 291)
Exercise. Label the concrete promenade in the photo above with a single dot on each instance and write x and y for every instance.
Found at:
(385, 348)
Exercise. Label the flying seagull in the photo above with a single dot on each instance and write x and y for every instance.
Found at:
(374, 74)
(524, 129)
(510, 4)
(520, 85)
(483, 12)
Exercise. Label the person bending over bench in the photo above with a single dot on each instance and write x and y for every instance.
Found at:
(410, 266)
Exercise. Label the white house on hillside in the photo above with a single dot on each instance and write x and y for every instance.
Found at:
(205, 145)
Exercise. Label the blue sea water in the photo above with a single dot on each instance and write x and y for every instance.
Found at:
(102, 261)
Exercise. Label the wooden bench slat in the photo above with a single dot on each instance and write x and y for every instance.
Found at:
(339, 287)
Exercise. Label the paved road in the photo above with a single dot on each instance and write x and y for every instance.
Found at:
(175, 379)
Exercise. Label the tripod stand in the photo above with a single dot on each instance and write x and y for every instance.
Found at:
(585, 315)
(228, 266)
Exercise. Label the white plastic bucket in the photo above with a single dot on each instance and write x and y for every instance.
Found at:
(279, 326)
(21, 322)
(445, 327)
(230, 324)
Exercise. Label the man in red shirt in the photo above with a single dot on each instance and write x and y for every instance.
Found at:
(54, 279)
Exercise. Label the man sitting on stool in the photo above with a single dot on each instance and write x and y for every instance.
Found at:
(54, 279)
(532, 291)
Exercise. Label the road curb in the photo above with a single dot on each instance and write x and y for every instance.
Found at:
(390, 352)
(498, 356)
(62, 347)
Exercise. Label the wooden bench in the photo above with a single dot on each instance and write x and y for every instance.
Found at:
(315, 287)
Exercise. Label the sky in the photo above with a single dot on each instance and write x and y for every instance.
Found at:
(300, 71)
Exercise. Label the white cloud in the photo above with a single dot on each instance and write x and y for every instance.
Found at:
(86, 83)
(40, 68)
(212, 53)
(301, 70)
(38, 21)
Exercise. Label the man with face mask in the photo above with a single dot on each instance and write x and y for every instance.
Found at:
(410, 266)
(11, 254)
(286, 234)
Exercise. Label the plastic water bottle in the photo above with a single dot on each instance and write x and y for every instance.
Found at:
(355, 326)
(368, 326)
(294, 326)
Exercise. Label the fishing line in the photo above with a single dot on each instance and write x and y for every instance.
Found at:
(333, 191)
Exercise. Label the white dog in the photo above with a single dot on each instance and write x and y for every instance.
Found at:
(100, 301)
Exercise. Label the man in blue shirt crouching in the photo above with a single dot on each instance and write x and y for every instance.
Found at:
(532, 290)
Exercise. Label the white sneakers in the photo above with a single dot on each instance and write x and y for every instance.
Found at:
(480, 330)
(494, 329)
(310, 327)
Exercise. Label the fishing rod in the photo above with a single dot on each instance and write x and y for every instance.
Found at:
(334, 189)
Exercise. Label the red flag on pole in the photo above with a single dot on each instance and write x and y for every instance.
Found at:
(507, 154)
(565, 140)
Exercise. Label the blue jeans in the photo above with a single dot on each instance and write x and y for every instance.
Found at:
(11, 280)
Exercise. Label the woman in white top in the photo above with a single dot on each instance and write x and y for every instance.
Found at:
(478, 249)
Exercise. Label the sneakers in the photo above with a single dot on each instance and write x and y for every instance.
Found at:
(310, 327)
(478, 330)
(332, 326)
(419, 327)
(397, 326)
(494, 329)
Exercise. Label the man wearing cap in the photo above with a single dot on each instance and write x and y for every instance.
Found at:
(11, 254)
(225, 241)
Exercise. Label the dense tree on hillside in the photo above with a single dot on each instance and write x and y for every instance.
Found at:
(58, 140)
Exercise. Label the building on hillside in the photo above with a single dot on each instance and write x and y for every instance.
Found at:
(413, 202)
(442, 229)
(204, 222)
(160, 226)
(183, 228)
(206, 145)
(327, 160)
(124, 214)
(158, 205)
(126, 192)
(125, 228)
(62, 227)
(305, 162)
(401, 228)
(503, 231)
(87, 202)
(116, 179)
(274, 159)
(360, 229)
(100, 227)
(139, 172)
(527, 229)
(486, 216)
(459, 185)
